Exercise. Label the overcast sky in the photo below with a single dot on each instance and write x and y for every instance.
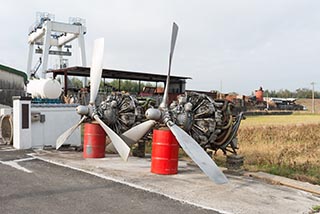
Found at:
(236, 45)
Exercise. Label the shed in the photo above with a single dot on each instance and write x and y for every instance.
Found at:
(12, 83)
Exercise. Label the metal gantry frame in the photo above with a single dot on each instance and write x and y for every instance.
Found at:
(47, 33)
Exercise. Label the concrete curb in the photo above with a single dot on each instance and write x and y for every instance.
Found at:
(274, 179)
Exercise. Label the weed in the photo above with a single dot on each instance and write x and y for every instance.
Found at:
(315, 209)
(282, 145)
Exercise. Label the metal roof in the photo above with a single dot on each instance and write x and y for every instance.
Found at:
(117, 74)
(14, 71)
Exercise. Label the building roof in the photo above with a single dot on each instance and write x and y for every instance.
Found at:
(117, 74)
(14, 71)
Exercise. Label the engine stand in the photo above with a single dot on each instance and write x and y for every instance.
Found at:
(234, 164)
(139, 150)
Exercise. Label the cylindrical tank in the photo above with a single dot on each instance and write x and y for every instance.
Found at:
(165, 151)
(6, 129)
(44, 88)
(259, 94)
(94, 141)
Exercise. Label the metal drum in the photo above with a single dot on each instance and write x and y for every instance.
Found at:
(94, 141)
(259, 94)
(165, 150)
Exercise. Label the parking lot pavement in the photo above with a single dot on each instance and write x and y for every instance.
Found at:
(241, 195)
(30, 185)
(64, 182)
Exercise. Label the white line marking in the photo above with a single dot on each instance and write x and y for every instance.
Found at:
(24, 159)
(7, 150)
(14, 164)
(131, 185)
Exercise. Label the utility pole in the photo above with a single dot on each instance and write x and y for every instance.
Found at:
(313, 107)
(220, 89)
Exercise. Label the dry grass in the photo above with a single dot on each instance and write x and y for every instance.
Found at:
(308, 104)
(281, 120)
(283, 145)
(286, 145)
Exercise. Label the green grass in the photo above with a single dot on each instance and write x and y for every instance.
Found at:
(316, 208)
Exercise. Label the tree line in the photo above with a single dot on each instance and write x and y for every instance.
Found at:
(298, 93)
(125, 85)
(133, 87)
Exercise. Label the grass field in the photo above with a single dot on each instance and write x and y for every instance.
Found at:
(281, 120)
(284, 145)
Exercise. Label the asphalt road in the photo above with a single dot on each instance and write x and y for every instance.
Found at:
(32, 186)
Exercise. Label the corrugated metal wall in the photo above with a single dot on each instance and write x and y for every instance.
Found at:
(11, 84)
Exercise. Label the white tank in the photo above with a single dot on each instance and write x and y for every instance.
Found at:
(44, 88)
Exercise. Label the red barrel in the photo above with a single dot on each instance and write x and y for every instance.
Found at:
(165, 150)
(94, 141)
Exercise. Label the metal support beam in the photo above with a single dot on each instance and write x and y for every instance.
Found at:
(139, 86)
(65, 83)
(30, 57)
(45, 55)
(83, 56)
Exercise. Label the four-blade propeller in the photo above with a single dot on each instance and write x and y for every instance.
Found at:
(90, 110)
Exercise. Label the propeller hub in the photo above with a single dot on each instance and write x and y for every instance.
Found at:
(153, 114)
(83, 110)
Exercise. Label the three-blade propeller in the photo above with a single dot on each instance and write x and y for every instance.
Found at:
(90, 110)
(188, 144)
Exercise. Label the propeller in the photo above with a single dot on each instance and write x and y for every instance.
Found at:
(188, 144)
(134, 134)
(90, 110)
(62, 138)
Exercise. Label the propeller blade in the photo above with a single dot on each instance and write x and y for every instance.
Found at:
(96, 69)
(62, 138)
(173, 43)
(198, 155)
(174, 35)
(121, 147)
(134, 134)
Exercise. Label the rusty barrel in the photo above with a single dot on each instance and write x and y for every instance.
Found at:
(259, 95)
(6, 129)
(94, 141)
(165, 150)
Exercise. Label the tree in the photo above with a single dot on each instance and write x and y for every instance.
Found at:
(129, 85)
(76, 83)
(298, 93)
(303, 93)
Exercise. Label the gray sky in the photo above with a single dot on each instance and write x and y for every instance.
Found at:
(241, 44)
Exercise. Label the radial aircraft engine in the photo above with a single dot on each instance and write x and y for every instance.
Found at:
(120, 111)
(210, 122)
(162, 116)
(115, 115)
